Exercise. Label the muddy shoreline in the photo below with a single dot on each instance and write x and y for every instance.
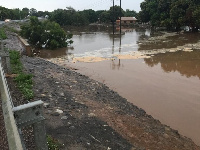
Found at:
(82, 113)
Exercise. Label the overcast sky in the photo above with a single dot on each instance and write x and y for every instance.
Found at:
(51, 5)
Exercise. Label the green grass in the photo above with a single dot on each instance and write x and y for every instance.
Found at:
(15, 62)
(52, 143)
(23, 80)
(2, 34)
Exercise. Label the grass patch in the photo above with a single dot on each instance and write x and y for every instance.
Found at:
(23, 80)
(16, 65)
(2, 34)
(11, 29)
(52, 143)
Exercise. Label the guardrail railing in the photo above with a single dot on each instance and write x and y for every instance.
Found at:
(14, 141)
(16, 118)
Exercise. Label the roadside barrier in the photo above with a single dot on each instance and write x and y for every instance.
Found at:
(16, 118)
(13, 136)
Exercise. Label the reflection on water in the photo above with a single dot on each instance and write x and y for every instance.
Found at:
(186, 63)
(56, 53)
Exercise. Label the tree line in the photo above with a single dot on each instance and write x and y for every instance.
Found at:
(69, 16)
(171, 14)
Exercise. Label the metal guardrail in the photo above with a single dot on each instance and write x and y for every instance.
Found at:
(13, 136)
(16, 118)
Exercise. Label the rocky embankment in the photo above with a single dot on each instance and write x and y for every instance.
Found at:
(84, 114)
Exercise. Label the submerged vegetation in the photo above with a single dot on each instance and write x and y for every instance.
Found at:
(23, 80)
(45, 34)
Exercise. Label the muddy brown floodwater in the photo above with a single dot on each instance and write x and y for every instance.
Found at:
(169, 90)
(166, 86)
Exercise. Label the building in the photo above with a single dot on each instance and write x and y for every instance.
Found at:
(126, 21)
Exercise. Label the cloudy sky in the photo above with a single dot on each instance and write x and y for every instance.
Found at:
(50, 5)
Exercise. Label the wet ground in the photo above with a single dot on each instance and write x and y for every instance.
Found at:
(165, 85)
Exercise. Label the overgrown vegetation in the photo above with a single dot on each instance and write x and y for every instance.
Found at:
(45, 34)
(2, 34)
(23, 80)
(171, 14)
(52, 143)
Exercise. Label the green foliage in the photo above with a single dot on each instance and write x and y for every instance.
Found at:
(24, 81)
(2, 34)
(117, 13)
(48, 34)
(68, 16)
(15, 62)
(171, 13)
(52, 143)
(130, 13)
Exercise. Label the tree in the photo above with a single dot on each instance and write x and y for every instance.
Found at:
(171, 13)
(24, 12)
(33, 12)
(129, 13)
(117, 13)
(47, 34)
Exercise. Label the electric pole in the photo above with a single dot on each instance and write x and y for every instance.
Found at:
(120, 17)
(113, 17)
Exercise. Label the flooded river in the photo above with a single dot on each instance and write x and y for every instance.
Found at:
(165, 85)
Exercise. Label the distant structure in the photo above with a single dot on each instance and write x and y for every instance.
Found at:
(46, 17)
(126, 21)
(7, 20)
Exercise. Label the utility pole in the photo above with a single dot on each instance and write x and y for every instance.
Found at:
(113, 17)
(120, 17)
